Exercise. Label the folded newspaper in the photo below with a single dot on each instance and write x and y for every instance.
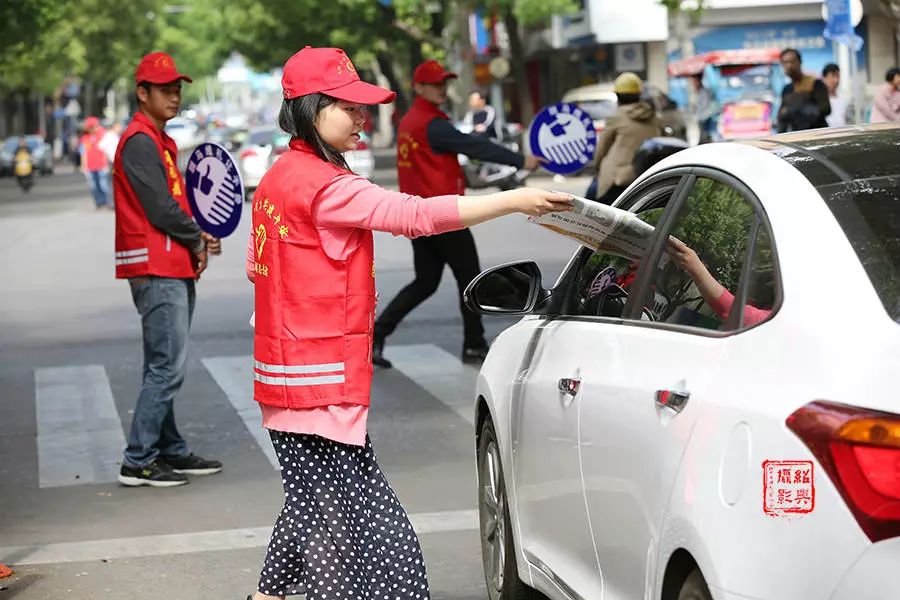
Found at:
(600, 227)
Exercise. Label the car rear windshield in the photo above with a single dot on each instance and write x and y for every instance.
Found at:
(598, 109)
(262, 137)
(868, 210)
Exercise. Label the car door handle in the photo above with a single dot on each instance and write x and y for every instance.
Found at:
(673, 399)
(569, 386)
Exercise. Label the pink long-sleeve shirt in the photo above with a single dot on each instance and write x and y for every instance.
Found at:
(346, 207)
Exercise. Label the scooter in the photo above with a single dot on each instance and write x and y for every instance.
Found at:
(482, 174)
(24, 170)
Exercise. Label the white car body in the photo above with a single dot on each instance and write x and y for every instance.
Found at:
(361, 161)
(608, 492)
(185, 132)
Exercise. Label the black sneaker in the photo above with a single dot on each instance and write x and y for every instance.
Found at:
(156, 474)
(193, 465)
(474, 356)
(378, 358)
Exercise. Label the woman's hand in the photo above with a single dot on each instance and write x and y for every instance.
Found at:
(535, 202)
(684, 256)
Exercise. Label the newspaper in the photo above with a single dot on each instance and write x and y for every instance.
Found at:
(601, 228)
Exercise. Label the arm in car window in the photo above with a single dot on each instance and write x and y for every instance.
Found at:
(716, 296)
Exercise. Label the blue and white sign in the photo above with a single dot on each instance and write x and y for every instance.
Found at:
(214, 189)
(564, 135)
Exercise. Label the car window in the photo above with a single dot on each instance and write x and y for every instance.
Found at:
(696, 277)
(261, 138)
(604, 279)
(599, 109)
(869, 213)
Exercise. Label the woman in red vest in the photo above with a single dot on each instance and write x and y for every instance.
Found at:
(342, 534)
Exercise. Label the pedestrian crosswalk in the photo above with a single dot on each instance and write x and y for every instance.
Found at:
(80, 437)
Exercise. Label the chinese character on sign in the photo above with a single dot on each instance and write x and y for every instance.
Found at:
(788, 487)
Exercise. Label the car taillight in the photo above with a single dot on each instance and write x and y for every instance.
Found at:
(248, 153)
(859, 449)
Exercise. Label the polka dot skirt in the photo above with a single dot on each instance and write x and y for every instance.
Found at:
(342, 534)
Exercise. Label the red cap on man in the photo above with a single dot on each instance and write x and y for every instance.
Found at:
(158, 68)
(329, 71)
(432, 72)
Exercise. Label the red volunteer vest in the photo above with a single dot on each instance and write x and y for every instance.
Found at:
(141, 248)
(314, 315)
(421, 170)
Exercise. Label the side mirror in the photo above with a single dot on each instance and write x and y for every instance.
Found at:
(511, 289)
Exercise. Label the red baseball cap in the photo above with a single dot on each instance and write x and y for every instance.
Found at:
(431, 71)
(329, 71)
(91, 122)
(159, 68)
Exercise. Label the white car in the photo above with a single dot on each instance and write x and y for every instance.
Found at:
(361, 160)
(261, 148)
(729, 431)
(185, 132)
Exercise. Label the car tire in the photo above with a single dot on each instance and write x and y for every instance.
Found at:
(248, 194)
(498, 552)
(694, 587)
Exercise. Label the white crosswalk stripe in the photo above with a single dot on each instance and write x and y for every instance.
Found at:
(200, 541)
(439, 373)
(234, 374)
(79, 436)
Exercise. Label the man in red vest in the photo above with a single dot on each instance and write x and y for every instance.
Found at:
(427, 145)
(161, 251)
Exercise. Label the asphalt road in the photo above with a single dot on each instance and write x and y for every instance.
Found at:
(70, 362)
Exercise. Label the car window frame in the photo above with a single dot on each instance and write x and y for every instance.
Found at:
(633, 310)
(633, 201)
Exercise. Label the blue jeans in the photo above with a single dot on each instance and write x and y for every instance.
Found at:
(166, 306)
(98, 181)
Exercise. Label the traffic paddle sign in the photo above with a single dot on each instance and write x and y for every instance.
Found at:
(214, 189)
(564, 135)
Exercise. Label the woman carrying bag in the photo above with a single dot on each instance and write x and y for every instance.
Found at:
(342, 534)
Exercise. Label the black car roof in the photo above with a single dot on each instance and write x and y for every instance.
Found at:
(833, 155)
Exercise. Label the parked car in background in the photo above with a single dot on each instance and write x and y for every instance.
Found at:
(361, 161)
(716, 418)
(600, 102)
(185, 132)
(262, 146)
(41, 154)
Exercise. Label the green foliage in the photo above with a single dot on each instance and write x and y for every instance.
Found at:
(715, 221)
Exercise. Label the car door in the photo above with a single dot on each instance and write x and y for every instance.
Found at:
(639, 411)
(555, 530)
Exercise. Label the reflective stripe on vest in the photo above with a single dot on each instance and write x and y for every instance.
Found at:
(305, 372)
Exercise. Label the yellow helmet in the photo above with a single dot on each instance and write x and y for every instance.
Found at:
(628, 83)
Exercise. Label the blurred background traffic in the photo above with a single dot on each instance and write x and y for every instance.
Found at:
(712, 67)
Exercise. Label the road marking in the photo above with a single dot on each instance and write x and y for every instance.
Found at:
(201, 541)
(79, 433)
(234, 374)
(439, 373)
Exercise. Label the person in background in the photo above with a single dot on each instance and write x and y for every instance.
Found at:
(635, 122)
(161, 251)
(94, 163)
(886, 107)
(831, 77)
(110, 141)
(705, 109)
(427, 165)
(481, 119)
(804, 100)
